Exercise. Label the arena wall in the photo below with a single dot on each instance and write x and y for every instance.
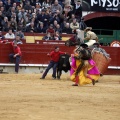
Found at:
(35, 56)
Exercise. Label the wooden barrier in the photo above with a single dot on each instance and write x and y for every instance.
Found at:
(37, 54)
(32, 53)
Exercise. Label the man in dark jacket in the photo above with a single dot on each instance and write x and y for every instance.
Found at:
(31, 28)
(47, 37)
(41, 28)
(77, 9)
(83, 26)
(67, 29)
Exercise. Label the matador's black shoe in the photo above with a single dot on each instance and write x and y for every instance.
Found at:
(75, 84)
(101, 74)
(93, 81)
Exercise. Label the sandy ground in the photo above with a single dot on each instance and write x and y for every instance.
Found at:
(26, 97)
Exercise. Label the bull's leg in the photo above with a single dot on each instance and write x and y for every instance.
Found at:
(58, 74)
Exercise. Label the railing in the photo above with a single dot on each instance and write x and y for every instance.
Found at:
(107, 36)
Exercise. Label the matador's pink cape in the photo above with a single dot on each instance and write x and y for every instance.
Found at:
(92, 71)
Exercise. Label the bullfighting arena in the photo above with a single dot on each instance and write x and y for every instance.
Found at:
(26, 97)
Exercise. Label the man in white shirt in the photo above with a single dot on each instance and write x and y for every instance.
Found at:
(10, 35)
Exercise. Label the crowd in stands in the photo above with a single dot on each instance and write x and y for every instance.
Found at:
(40, 16)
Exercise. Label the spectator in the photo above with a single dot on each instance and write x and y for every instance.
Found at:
(67, 29)
(61, 2)
(72, 18)
(35, 21)
(58, 29)
(33, 15)
(13, 24)
(15, 56)
(63, 24)
(73, 2)
(56, 6)
(4, 23)
(10, 35)
(38, 6)
(31, 28)
(82, 24)
(67, 12)
(28, 6)
(23, 3)
(55, 24)
(17, 39)
(20, 33)
(41, 28)
(67, 2)
(1, 16)
(8, 5)
(47, 37)
(1, 19)
(11, 13)
(50, 29)
(46, 3)
(1, 36)
(21, 14)
(57, 36)
(55, 56)
(3, 11)
(59, 15)
(32, 3)
(74, 25)
(27, 18)
(48, 9)
(1, 4)
(47, 16)
(7, 27)
(22, 26)
(54, 17)
(15, 7)
(77, 9)
(39, 1)
(42, 17)
(82, 28)
(29, 14)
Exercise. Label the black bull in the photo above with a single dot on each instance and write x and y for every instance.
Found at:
(63, 64)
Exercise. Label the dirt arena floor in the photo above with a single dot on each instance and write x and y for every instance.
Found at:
(26, 97)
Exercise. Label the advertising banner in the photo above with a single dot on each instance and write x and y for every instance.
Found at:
(101, 5)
